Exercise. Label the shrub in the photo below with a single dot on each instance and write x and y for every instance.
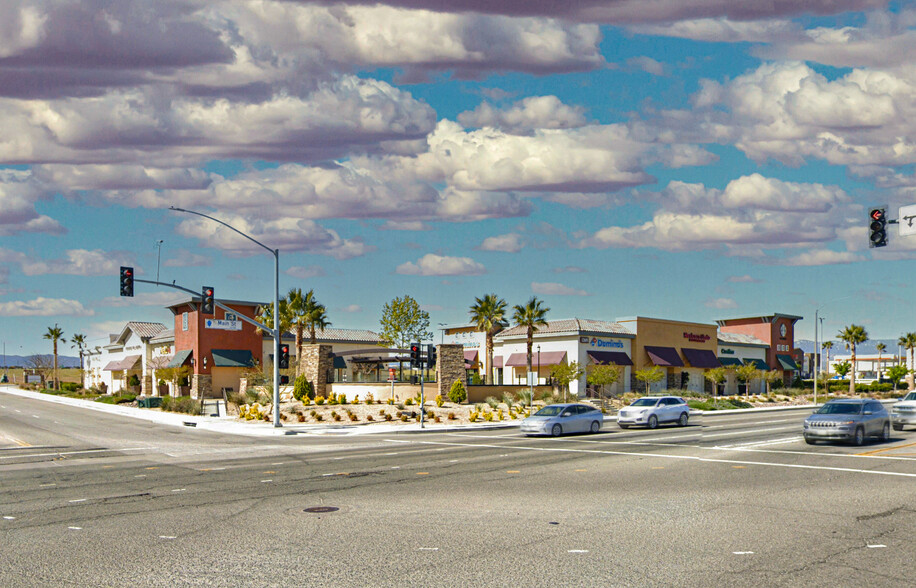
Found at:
(355, 400)
(133, 380)
(302, 389)
(409, 402)
(488, 416)
(301, 417)
(319, 418)
(457, 393)
(369, 417)
(439, 400)
(492, 401)
(403, 418)
(451, 416)
(370, 399)
(341, 399)
(437, 420)
(473, 416)
(69, 386)
(353, 417)
(184, 404)
(388, 417)
(391, 401)
(319, 401)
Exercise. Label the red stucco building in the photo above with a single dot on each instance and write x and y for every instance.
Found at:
(777, 331)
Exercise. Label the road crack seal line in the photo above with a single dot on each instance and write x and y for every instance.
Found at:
(880, 515)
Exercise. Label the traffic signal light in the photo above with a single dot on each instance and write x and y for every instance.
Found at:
(430, 355)
(877, 227)
(415, 355)
(284, 379)
(284, 357)
(207, 304)
(127, 281)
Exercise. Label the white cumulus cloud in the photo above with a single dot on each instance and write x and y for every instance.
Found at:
(45, 307)
(438, 265)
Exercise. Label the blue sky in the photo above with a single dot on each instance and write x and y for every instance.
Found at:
(684, 159)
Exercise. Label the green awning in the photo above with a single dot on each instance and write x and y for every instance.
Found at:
(180, 358)
(759, 364)
(729, 361)
(232, 358)
(787, 362)
(339, 363)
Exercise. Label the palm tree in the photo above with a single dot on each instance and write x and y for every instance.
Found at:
(79, 341)
(908, 342)
(266, 316)
(827, 346)
(488, 315)
(530, 316)
(316, 316)
(55, 334)
(853, 335)
(880, 347)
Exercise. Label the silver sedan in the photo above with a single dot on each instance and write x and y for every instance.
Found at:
(848, 419)
(558, 419)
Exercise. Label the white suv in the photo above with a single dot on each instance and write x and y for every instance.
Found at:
(904, 412)
(652, 410)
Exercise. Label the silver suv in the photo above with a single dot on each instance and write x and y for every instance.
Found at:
(904, 411)
(848, 419)
(649, 411)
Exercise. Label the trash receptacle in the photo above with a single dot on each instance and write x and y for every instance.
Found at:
(154, 401)
(143, 402)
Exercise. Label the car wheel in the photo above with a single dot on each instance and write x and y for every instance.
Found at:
(623, 426)
(810, 441)
(653, 421)
(556, 431)
(596, 426)
(886, 432)
(860, 437)
(682, 422)
(898, 427)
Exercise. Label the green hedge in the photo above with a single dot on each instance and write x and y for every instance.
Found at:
(718, 404)
(184, 404)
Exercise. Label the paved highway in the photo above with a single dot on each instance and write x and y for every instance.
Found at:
(92, 499)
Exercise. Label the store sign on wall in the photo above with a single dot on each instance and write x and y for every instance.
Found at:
(727, 352)
(596, 342)
(696, 338)
(224, 325)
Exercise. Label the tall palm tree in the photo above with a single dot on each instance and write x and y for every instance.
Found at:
(880, 347)
(316, 316)
(530, 316)
(488, 315)
(55, 334)
(79, 341)
(266, 316)
(908, 342)
(853, 335)
(827, 346)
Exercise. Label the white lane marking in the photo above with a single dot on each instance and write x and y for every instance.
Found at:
(577, 551)
(46, 485)
(17, 410)
(395, 453)
(73, 452)
(179, 489)
(75, 528)
(265, 481)
(395, 467)
(428, 548)
(10, 518)
(167, 537)
(275, 463)
(876, 546)
(140, 476)
(78, 500)
(453, 461)
(759, 443)
(35, 416)
(743, 552)
(670, 456)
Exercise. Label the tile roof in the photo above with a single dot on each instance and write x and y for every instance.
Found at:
(573, 325)
(331, 334)
(145, 329)
(163, 336)
(739, 339)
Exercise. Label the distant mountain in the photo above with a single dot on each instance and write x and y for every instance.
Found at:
(64, 361)
(839, 347)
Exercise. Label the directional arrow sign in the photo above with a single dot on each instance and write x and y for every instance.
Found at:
(906, 222)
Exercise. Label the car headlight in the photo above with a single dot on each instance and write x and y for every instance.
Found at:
(643, 411)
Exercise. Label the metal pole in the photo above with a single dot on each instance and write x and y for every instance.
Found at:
(816, 356)
(158, 257)
(422, 364)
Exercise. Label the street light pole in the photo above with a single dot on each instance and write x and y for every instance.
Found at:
(276, 326)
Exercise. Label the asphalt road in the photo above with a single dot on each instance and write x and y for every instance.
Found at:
(91, 499)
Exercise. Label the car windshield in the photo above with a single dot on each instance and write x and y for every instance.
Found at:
(645, 402)
(550, 411)
(840, 408)
(910, 396)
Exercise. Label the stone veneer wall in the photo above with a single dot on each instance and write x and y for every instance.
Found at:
(201, 385)
(449, 366)
(316, 363)
(146, 385)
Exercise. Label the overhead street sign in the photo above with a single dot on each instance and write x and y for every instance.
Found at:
(906, 220)
(224, 325)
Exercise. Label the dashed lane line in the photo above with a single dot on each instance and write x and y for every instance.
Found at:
(681, 457)
(72, 452)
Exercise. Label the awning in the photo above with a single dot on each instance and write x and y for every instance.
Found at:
(701, 358)
(759, 364)
(232, 358)
(786, 362)
(609, 357)
(180, 358)
(664, 356)
(730, 361)
(470, 355)
(498, 361)
(340, 363)
(546, 358)
(124, 364)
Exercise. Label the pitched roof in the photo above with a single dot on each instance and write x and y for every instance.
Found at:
(338, 335)
(570, 326)
(739, 339)
(163, 336)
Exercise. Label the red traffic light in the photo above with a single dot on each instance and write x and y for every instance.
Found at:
(877, 213)
(284, 348)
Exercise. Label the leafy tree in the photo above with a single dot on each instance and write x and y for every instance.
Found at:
(55, 334)
(457, 393)
(530, 316)
(895, 372)
(404, 322)
(564, 373)
(769, 377)
(488, 315)
(716, 376)
(880, 348)
(853, 335)
(747, 373)
(302, 389)
(842, 368)
(649, 375)
(602, 376)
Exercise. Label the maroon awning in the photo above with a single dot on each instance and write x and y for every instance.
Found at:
(609, 357)
(701, 358)
(546, 358)
(664, 356)
(498, 361)
(470, 355)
